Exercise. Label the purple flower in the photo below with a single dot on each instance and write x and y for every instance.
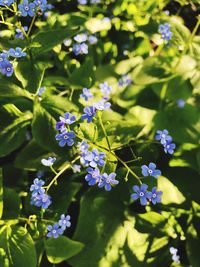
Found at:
(175, 257)
(60, 125)
(93, 158)
(67, 42)
(86, 94)
(27, 9)
(102, 105)
(155, 196)
(65, 137)
(48, 162)
(93, 177)
(3, 57)
(95, 1)
(80, 49)
(17, 52)
(92, 39)
(68, 118)
(76, 168)
(164, 30)
(80, 38)
(141, 193)
(105, 88)
(89, 113)
(41, 91)
(169, 147)
(151, 170)
(19, 34)
(36, 187)
(163, 136)
(107, 181)
(41, 200)
(82, 2)
(180, 103)
(83, 146)
(6, 2)
(54, 231)
(6, 68)
(125, 80)
(64, 221)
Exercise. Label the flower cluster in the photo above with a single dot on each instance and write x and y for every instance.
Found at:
(166, 140)
(65, 136)
(165, 31)
(125, 80)
(27, 8)
(38, 197)
(6, 67)
(58, 228)
(6, 2)
(144, 195)
(175, 257)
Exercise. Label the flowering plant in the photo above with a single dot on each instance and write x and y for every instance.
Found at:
(99, 140)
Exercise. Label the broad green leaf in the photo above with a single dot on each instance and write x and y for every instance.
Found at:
(14, 135)
(30, 75)
(192, 246)
(12, 91)
(61, 248)
(48, 39)
(19, 246)
(83, 76)
(11, 203)
(171, 193)
(96, 25)
(181, 33)
(1, 193)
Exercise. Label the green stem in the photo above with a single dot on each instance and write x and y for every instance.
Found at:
(61, 172)
(104, 130)
(31, 26)
(53, 170)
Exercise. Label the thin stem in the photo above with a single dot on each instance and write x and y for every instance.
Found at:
(53, 170)
(104, 130)
(31, 26)
(61, 172)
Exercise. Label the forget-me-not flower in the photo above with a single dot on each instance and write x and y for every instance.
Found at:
(65, 137)
(107, 181)
(54, 231)
(27, 9)
(64, 221)
(89, 113)
(155, 196)
(93, 176)
(150, 170)
(86, 94)
(141, 193)
(48, 162)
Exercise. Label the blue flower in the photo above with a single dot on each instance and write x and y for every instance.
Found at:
(151, 170)
(27, 9)
(107, 181)
(102, 105)
(163, 136)
(180, 103)
(80, 38)
(89, 113)
(93, 158)
(82, 2)
(141, 193)
(36, 187)
(68, 118)
(54, 231)
(86, 94)
(80, 49)
(155, 196)
(175, 257)
(64, 221)
(95, 1)
(76, 168)
(41, 200)
(169, 147)
(93, 177)
(40, 174)
(65, 137)
(60, 125)
(125, 80)
(83, 146)
(164, 30)
(92, 39)
(3, 57)
(6, 2)
(19, 34)
(41, 91)
(6, 68)
(17, 52)
(105, 88)
(48, 162)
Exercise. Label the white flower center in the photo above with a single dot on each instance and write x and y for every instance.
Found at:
(150, 171)
(141, 194)
(154, 195)
(65, 137)
(54, 231)
(96, 158)
(26, 8)
(8, 69)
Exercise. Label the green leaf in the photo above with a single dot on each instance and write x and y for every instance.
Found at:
(19, 246)
(14, 135)
(192, 246)
(171, 193)
(61, 248)
(12, 91)
(43, 129)
(48, 39)
(1, 193)
(83, 76)
(181, 33)
(30, 75)
(11, 203)
(4, 261)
